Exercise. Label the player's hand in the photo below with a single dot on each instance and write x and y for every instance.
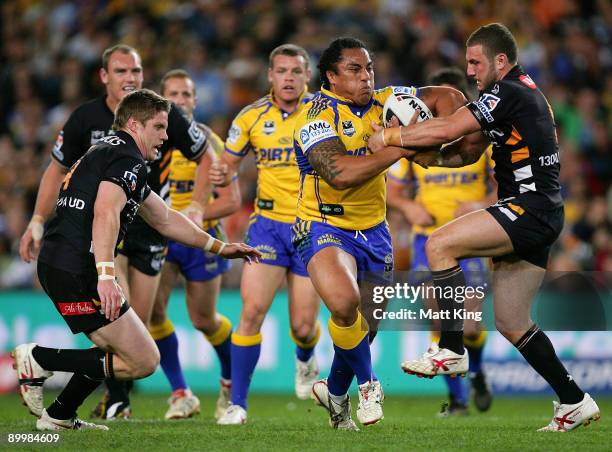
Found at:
(219, 174)
(29, 245)
(237, 250)
(111, 298)
(195, 212)
(376, 142)
(417, 215)
(466, 207)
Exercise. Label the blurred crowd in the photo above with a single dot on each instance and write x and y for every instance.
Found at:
(50, 52)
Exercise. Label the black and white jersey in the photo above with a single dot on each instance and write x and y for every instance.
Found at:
(517, 119)
(67, 243)
(93, 120)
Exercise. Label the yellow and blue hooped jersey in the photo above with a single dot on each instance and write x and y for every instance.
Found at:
(267, 130)
(330, 116)
(441, 190)
(182, 176)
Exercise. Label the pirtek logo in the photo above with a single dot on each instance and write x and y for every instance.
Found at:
(76, 308)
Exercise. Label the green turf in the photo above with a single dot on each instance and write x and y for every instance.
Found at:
(283, 423)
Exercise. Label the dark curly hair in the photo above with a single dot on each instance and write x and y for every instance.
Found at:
(332, 55)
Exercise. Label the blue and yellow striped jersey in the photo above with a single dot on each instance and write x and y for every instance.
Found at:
(267, 130)
(441, 190)
(330, 116)
(182, 176)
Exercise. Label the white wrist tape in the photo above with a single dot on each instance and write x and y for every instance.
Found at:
(37, 226)
(214, 246)
(106, 270)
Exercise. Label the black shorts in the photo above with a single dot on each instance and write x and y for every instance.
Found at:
(532, 231)
(75, 297)
(144, 247)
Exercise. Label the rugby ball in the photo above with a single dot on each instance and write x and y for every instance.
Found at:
(403, 106)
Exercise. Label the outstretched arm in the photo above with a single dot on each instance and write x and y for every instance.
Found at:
(340, 170)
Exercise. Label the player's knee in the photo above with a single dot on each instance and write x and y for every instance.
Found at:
(303, 331)
(148, 363)
(204, 323)
(437, 245)
(344, 315)
(252, 315)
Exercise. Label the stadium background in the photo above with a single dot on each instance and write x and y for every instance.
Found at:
(50, 52)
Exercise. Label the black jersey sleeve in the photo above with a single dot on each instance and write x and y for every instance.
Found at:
(495, 105)
(128, 173)
(185, 135)
(68, 147)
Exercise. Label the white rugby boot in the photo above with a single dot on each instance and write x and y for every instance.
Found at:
(234, 415)
(567, 417)
(306, 374)
(438, 361)
(46, 422)
(339, 414)
(31, 378)
(371, 398)
(225, 398)
(183, 405)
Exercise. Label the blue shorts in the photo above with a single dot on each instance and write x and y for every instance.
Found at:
(273, 239)
(196, 264)
(371, 248)
(474, 268)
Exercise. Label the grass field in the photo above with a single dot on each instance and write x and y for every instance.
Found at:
(283, 423)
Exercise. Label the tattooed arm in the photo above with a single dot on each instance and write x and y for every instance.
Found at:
(340, 170)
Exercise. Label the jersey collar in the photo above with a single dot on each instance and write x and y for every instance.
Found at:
(357, 110)
(286, 114)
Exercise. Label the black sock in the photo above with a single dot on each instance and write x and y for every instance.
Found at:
(92, 362)
(70, 399)
(446, 282)
(539, 352)
(117, 389)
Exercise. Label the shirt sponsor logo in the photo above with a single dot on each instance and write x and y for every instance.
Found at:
(526, 80)
(77, 308)
(110, 139)
(197, 137)
(402, 90)
(69, 201)
(57, 147)
(347, 128)
(97, 135)
(328, 238)
(486, 104)
(316, 131)
(269, 127)
(267, 252)
(233, 134)
(131, 179)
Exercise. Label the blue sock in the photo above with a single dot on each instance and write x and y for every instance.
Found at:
(359, 359)
(303, 354)
(244, 359)
(340, 376)
(224, 352)
(475, 355)
(169, 360)
(456, 388)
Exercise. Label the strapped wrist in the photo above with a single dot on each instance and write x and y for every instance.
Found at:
(106, 270)
(214, 245)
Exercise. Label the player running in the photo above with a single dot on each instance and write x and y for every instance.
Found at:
(517, 231)
(340, 231)
(142, 250)
(441, 196)
(202, 271)
(266, 128)
(100, 195)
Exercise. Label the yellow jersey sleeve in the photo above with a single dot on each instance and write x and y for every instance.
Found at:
(317, 125)
(238, 142)
(400, 171)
